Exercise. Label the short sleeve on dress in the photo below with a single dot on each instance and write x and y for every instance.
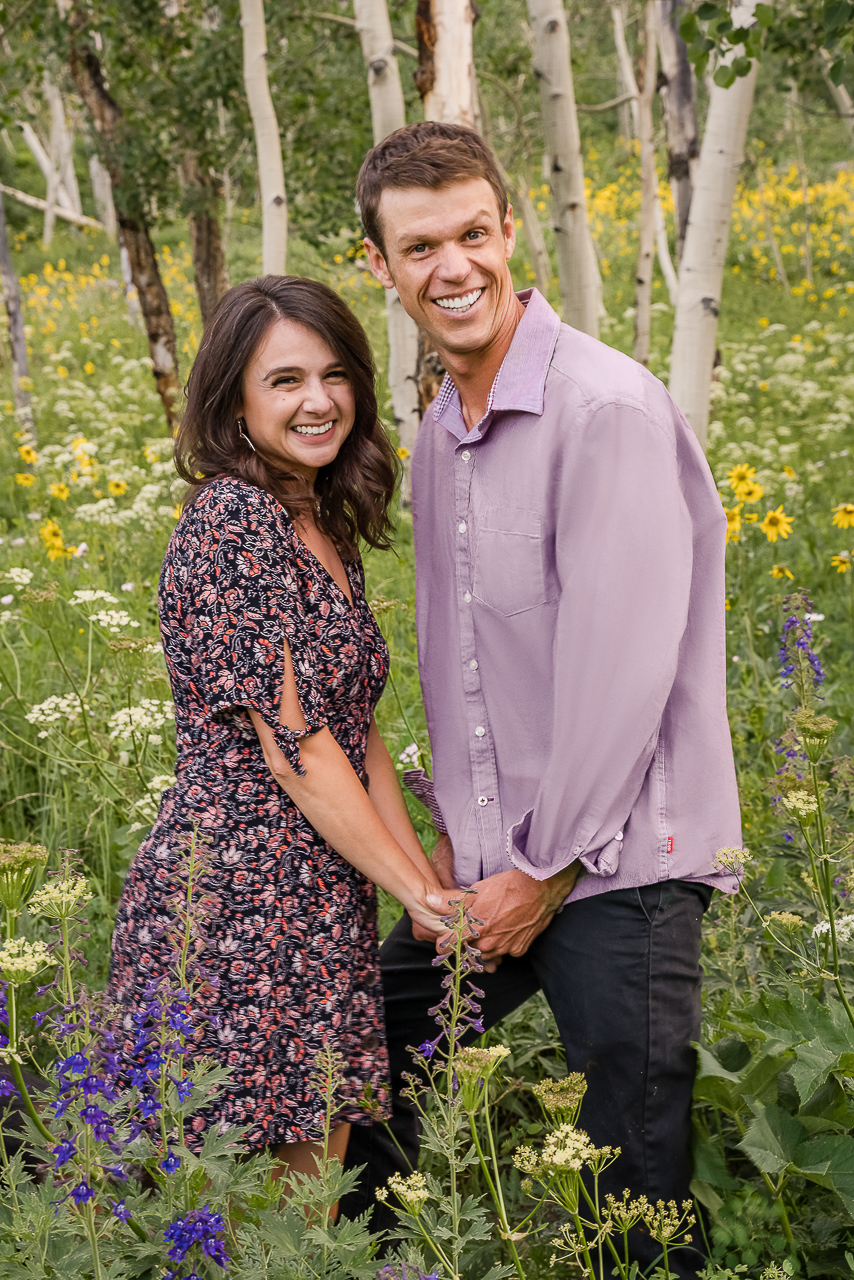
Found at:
(242, 591)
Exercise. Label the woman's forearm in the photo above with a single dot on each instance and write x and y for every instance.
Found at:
(387, 798)
(336, 804)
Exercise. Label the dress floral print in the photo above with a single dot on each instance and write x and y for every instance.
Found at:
(293, 939)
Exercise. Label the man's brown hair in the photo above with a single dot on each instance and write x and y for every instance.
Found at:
(428, 154)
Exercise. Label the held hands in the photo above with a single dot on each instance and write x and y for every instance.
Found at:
(440, 895)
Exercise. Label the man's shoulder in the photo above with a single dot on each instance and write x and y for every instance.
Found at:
(593, 376)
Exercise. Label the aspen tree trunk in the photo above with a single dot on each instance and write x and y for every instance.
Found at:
(627, 72)
(102, 193)
(445, 75)
(106, 116)
(268, 144)
(17, 337)
(578, 272)
(540, 263)
(43, 161)
(678, 89)
(63, 146)
(625, 109)
(649, 190)
(701, 272)
(840, 95)
(387, 114)
(205, 237)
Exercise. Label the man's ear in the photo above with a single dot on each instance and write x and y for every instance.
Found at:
(377, 263)
(509, 233)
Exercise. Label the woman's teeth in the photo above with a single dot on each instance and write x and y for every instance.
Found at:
(460, 304)
(313, 431)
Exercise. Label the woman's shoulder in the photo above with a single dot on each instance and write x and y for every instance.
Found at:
(231, 501)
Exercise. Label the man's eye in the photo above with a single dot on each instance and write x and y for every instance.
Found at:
(474, 235)
(418, 248)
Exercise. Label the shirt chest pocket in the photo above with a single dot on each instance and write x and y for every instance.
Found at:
(509, 574)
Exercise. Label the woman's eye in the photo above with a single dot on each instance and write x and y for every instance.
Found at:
(284, 382)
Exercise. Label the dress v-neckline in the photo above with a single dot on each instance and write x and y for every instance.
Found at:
(350, 599)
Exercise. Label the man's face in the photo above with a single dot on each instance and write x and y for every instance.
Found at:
(446, 253)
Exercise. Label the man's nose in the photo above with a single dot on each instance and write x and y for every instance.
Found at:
(454, 264)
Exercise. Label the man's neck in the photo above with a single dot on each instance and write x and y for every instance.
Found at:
(473, 372)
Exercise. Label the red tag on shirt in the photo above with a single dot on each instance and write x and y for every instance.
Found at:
(670, 844)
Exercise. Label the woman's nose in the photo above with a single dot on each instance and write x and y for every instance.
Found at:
(317, 398)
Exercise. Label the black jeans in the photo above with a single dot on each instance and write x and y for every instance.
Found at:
(621, 972)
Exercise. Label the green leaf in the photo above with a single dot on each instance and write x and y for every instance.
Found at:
(741, 66)
(837, 71)
(829, 1161)
(772, 1138)
(724, 77)
(707, 11)
(689, 28)
(764, 14)
(813, 1063)
(837, 13)
(710, 1166)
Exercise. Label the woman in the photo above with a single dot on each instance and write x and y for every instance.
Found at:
(277, 666)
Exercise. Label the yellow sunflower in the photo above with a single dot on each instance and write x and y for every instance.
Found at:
(780, 571)
(733, 523)
(843, 515)
(776, 525)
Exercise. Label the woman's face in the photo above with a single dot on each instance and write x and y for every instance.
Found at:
(298, 404)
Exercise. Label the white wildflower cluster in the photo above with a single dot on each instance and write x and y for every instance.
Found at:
(58, 708)
(412, 1192)
(803, 804)
(565, 1150)
(844, 929)
(21, 960)
(161, 782)
(20, 577)
(60, 898)
(732, 859)
(113, 619)
(409, 756)
(148, 715)
(87, 595)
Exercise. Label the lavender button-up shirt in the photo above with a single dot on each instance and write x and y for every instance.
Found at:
(570, 606)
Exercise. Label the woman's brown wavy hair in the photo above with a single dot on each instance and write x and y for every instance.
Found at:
(353, 493)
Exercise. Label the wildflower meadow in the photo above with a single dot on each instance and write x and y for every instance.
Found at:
(104, 1181)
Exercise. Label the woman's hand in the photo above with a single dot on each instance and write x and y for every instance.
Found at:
(426, 911)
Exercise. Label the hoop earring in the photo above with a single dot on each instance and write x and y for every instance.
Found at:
(241, 431)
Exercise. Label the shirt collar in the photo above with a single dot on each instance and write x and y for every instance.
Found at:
(520, 383)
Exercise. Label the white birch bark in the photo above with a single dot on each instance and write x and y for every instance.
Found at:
(649, 190)
(35, 202)
(576, 257)
(679, 100)
(268, 144)
(448, 89)
(43, 161)
(102, 192)
(387, 114)
(704, 255)
(62, 143)
(840, 95)
(627, 74)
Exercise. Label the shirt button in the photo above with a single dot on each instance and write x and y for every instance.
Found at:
(618, 836)
(462, 526)
(482, 800)
(479, 731)
(467, 597)
(465, 455)
(473, 664)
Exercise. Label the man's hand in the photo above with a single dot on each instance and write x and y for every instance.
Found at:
(515, 909)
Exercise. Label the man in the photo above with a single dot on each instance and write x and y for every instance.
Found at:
(569, 545)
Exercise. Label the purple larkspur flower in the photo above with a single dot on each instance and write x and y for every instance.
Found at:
(82, 1192)
(120, 1211)
(63, 1152)
(199, 1226)
(171, 1164)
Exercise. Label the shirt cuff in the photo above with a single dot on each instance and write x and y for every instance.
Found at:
(287, 740)
(601, 862)
(419, 785)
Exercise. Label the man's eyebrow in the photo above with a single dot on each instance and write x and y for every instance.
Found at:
(482, 215)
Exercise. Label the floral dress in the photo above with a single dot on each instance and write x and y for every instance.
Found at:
(292, 943)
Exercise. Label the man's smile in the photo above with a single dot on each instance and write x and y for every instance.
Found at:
(464, 302)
